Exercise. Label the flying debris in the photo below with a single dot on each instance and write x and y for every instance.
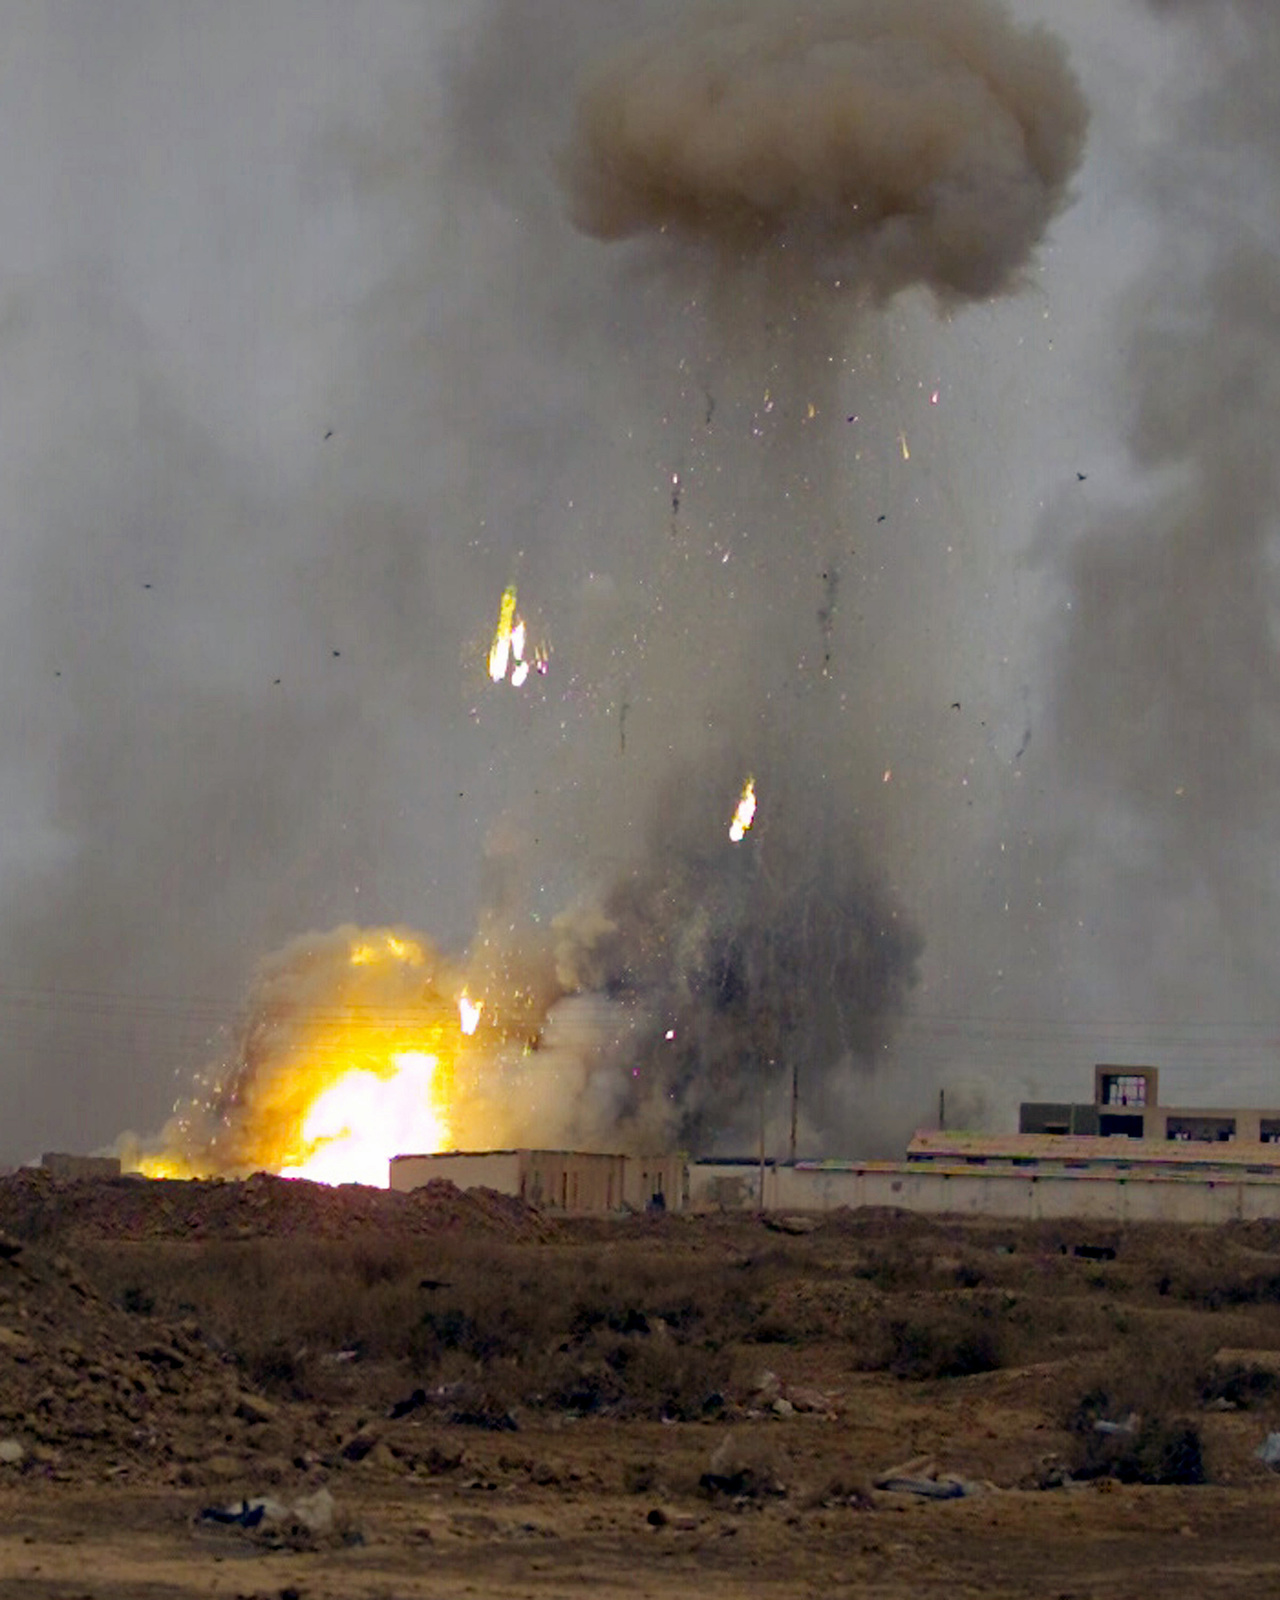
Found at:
(745, 813)
(469, 1012)
(500, 650)
(509, 656)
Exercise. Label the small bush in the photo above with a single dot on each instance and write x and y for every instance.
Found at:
(1240, 1384)
(1156, 1446)
(951, 1343)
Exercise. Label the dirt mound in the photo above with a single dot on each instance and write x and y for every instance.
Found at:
(83, 1384)
(37, 1207)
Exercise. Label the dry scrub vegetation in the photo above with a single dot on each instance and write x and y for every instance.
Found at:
(675, 1318)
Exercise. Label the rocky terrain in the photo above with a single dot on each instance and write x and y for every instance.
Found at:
(272, 1388)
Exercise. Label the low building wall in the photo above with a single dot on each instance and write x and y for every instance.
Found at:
(60, 1165)
(966, 1192)
(486, 1169)
(572, 1180)
(577, 1181)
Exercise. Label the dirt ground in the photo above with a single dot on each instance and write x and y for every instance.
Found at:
(510, 1539)
(139, 1412)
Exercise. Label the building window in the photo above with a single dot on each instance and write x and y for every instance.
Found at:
(1201, 1130)
(1124, 1089)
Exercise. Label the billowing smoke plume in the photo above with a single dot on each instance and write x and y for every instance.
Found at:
(779, 171)
(897, 142)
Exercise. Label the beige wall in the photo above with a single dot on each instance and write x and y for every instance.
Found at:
(572, 1180)
(585, 1182)
(910, 1187)
(556, 1180)
(490, 1169)
(650, 1175)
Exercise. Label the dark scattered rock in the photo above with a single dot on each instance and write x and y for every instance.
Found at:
(411, 1403)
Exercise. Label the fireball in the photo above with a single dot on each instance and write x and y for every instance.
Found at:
(346, 1057)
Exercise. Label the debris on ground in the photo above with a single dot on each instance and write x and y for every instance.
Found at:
(922, 1477)
(309, 1518)
(770, 1396)
(796, 1226)
(1268, 1452)
(740, 1471)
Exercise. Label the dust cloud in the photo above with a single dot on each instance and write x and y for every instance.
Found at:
(897, 142)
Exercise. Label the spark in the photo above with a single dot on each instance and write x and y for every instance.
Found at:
(888, 774)
(902, 440)
(469, 1013)
(744, 814)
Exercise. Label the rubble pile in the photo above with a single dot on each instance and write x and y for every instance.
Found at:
(35, 1206)
(83, 1384)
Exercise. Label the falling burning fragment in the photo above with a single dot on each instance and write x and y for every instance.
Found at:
(469, 1013)
(510, 657)
(895, 141)
(501, 650)
(745, 813)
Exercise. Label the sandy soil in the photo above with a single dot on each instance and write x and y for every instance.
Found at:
(144, 1544)
(127, 1426)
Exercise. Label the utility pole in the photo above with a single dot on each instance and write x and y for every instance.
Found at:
(762, 1141)
(795, 1100)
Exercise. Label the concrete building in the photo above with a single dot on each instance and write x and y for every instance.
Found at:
(59, 1165)
(1122, 1157)
(557, 1180)
(1126, 1103)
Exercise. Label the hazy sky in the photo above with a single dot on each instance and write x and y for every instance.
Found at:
(301, 363)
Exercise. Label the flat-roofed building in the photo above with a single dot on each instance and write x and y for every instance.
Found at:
(556, 1180)
(1126, 1104)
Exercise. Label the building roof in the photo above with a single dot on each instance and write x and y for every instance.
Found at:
(1058, 1149)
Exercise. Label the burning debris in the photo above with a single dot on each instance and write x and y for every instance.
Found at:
(511, 658)
(744, 814)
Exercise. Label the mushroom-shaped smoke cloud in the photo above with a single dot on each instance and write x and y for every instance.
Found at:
(900, 141)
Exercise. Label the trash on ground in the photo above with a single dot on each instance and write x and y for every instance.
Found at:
(922, 1477)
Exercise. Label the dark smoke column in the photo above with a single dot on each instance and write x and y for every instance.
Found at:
(786, 169)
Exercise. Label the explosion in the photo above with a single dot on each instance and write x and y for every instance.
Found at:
(348, 1052)
(800, 162)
